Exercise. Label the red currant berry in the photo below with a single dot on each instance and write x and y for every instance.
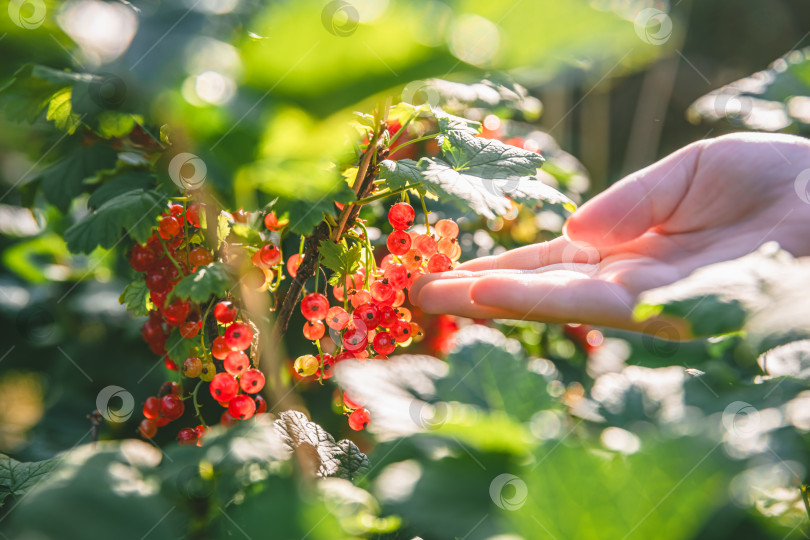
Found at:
(151, 407)
(200, 431)
(169, 227)
(425, 245)
(141, 258)
(157, 282)
(169, 387)
(251, 381)
(388, 316)
(386, 262)
(223, 387)
(176, 313)
(359, 298)
(161, 421)
(439, 263)
(187, 436)
(398, 242)
(271, 221)
(159, 299)
(450, 247)
(366, 316)
(359, 419)
(413, 260)
(147, 428)
(238, 336)
(446, 228)
(337, 318)
(354, 340)
(293, 263)
(199, 256)
(270, 255)
(190, 329)
(314, 307)
(242, 407)
(325, 371)
(382, 292)
(193, 214)
(152, 330)
(313, 330)
(401, 216)
(236, 363)
(225, 312)
(175, 210)
(170, 364)
(345, 355)
(158, 347)
(241, 216)
(171, 406)
(397, 275)
(220, 349)
(384, 343)
(401, 331)
(261, 404)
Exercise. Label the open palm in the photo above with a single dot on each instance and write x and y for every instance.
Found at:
(712, 201)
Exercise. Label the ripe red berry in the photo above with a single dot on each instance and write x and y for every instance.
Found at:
(141, 258)
(354, 340)
(425, 245)
(439, 263)
(450, 247)
(238, 336)
(397, 275)
(366, 317)
(337, 318)
(383, 292)
(193, 214)
(271, 221)
(151, 407)
(388, 316)
(293, 263)
(169, 363)
(446, 228)
(220, 349)
(270, 255)
(236, 363)
(359, 419)
(200, 431)
(187, 436)
(384, 343)
(313, 330)
(199, 256)
(345, 355)
(223, 387)
(152, 330)
(169, 387)
(225, 312)
(157, 282)
(251, 381)
(242, 407)
(147, 428)
(328, 361)
(398, 242)
(261, 404)
(314, 307)
(401, 216)
(190, 329)
(386, 262)
(169, 227)
(176, 313)
(359, 298)
(171, 406)
(401, 331)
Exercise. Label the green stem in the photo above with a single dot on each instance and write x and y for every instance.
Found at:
(169, 255)
(412, 141)
(401, 130)
(383, 195)
(197, 405)
(320, 360)
(424, 208)
(202, 329)
(301, 247)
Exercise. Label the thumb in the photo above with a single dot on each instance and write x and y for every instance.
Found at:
(637, 203)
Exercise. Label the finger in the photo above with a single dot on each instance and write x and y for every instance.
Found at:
(439, 294)
(522, 258)
(558, 296)
(637, 203)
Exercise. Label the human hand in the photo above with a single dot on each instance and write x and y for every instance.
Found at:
(711, 201)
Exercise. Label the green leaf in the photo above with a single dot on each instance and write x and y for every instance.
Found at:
(134, 212)
(449, 122)
(136, 298)
(63, 181)
(61, 113)
(27, 95)
(16, 478)
(224, 224)
(119, 184)
(399, 174)
(207, 281)
(246, 233)
(179, 348)
(112, 124)
(755, 293)
(342, 259)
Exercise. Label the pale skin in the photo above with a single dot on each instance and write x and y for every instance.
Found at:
(711, 201)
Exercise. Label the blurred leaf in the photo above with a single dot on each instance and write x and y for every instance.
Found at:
(28, 94)
(30, 259)
(119, 184)
(17, 478)
(305, 215)
(755, 293)
(63, 181)
(206, 281)
(134, 211)
(61, 113)
(136, 298)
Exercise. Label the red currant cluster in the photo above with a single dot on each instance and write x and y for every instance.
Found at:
(372, 321)
(172, 252)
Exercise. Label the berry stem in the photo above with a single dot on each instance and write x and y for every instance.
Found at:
(401, 130)
(425, 210)
(412, 141)
(197, 405)
(369, 252)
(383, 194)
(169, 255)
